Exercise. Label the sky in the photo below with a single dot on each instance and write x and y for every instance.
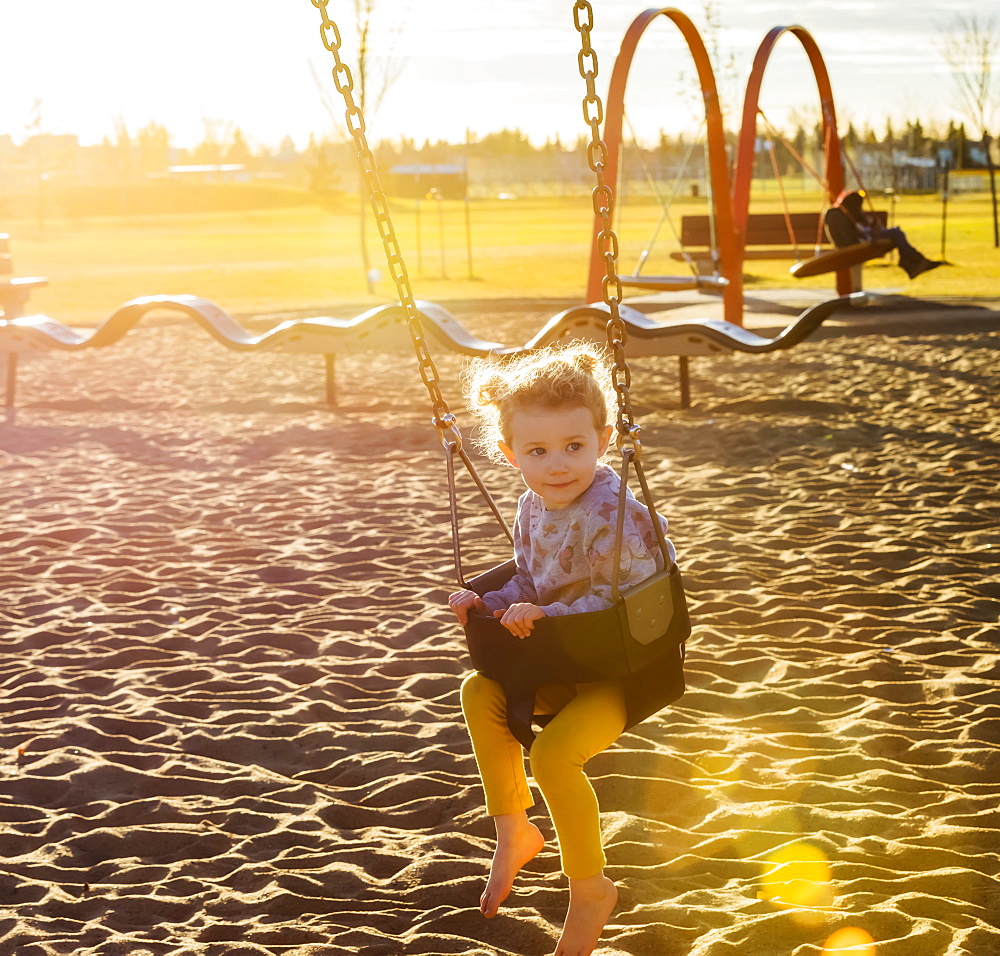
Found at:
(462, 65)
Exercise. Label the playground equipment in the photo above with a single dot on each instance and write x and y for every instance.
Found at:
(724, 240)
(14, 290)
(377, 330)
(640, 638)
(705, 337)
(725, 254)
(851, 250)
(839, 261)
(382, 330)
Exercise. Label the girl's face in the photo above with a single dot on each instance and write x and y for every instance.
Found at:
(556, 451)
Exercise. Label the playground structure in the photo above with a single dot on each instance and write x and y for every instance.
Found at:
(730, 227)
(383, 329)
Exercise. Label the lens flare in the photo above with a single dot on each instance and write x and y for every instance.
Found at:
(849, 940)
(797, 875)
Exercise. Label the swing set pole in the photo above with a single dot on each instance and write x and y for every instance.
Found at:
(729, 254)
(833, 167)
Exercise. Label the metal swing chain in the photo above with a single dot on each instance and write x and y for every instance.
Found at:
(607, 240)
(611, 288)
(444, 420)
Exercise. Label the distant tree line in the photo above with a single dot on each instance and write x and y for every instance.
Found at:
(506, 159)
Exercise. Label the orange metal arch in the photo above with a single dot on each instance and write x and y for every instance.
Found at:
(729, 252)
(833, 162)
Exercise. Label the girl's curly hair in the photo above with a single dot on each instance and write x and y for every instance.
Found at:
(574, 376)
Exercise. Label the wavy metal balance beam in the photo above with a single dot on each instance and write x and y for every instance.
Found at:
(383, 329)
(647, 337)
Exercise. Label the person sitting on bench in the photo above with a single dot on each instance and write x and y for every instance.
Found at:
(847, 223)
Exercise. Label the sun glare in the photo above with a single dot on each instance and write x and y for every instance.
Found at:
(850, 939)
(797, 876)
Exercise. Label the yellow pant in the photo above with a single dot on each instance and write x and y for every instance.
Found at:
(588, 719)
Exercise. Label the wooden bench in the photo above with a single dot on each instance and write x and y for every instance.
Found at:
(767, 237)
(14, 293)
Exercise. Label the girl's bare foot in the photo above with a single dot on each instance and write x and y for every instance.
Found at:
(518, 841)
(590, 904)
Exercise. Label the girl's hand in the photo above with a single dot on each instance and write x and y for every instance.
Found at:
(520, 619)
(461, 601)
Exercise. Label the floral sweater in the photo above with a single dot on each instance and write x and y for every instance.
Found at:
(565, 558)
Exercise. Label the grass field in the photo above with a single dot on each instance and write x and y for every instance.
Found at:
(306, 258)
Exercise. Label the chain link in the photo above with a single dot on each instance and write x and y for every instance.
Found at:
(444, 421)
(593, 112)
(603, 197)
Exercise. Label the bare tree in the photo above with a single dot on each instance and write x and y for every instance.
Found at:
(970, 46)
(374, 75)
(727, 75)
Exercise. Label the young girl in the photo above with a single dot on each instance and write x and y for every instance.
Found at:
(546, 414)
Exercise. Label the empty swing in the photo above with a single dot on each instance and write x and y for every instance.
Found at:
(698, 278)
(640, 639)
(725, 252)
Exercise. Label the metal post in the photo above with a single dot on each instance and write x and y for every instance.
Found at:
(944, 207)
(468, 236)
(11, 379)
(331, 378)
(683, 369)
(420, 258)
(440, 204)
(366, 263)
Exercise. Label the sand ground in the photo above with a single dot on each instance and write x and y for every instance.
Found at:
(229, 683)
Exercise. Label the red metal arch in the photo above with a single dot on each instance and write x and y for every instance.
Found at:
(729, 252)
(833, 173)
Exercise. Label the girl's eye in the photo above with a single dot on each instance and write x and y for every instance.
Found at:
(574, 446)
(537, 452)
